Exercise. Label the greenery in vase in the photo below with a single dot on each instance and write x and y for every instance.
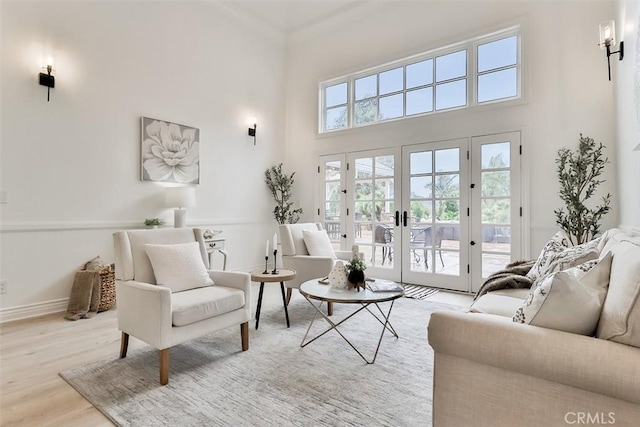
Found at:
(356, 264)
(578, 173)
(153, 222)
(280, 185)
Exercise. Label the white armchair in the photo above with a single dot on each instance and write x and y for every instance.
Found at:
(162, 318)
(295, 256)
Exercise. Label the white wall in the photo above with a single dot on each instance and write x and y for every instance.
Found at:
(566, 85)
(71, 167)
(627, 82)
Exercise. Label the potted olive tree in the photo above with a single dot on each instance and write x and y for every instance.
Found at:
(578, 173)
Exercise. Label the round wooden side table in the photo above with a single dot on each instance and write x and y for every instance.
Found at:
(281, 276)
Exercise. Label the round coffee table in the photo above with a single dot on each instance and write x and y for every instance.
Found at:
(270, 277)
(313, 290)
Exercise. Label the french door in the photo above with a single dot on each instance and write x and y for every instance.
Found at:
(444, 214)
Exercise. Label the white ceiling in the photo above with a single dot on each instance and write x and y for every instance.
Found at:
(291, 15)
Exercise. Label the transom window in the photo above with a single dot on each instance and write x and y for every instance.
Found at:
(427, 83)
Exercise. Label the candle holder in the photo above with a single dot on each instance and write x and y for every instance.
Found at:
(275, 261)
(266, 269)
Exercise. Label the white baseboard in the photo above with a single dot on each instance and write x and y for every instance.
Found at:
(33, 310)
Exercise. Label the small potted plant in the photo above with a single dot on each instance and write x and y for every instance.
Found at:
(356, 268)
(153, 222)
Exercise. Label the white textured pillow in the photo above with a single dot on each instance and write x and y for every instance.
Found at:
(569, 300)
(556, 257)
(318, 243)
(178, 267)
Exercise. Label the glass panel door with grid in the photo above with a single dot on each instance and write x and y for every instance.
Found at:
(373, 187)
(331, 211)
(434, 217)
(495, 205)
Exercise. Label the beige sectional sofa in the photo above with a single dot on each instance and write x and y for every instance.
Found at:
(491, 371)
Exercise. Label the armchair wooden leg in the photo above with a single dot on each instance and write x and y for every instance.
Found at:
(164, 366)
(329, 309)
(244, 334)
(289, 292)
(124, 344)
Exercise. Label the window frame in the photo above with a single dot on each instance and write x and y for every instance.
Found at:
(471, 81)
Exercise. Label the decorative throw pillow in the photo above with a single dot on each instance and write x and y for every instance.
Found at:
(178, 267)
(569, 300)
(96, 264)
(318, 243)
(556, 257)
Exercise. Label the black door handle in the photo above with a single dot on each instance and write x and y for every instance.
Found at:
(397, 218)
(472, 243)
(344, 191)
(404, 218)
(344, 235)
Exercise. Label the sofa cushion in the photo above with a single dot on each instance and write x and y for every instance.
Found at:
(318, 243)
(178, 267)
(503, 302)
(569, 300)
(620, 318)
(203, 303)
(557, 257)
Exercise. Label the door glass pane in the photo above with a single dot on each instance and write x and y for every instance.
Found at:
(336, 95)
(450, 95)
(496, 238)
(364, 168)
(495, 183)
(448, 236)
(498, 85)
(421, 187)
(421, 211)
(332, 171)
(420, 162)
(366, 87)
(391, 107)
(447, 210)
(332, 211)
(383, 245)
(496, 211)
(448, 160)
(365, 111)
(451, 66)
(335, 118)
(498, 54)
(496, 155)
(446, 262)
(384, 189)
(420, 101)
(384, 166)
(391, 81)
(420, 73)
(492, 263)
(447, 186)
(332, 191)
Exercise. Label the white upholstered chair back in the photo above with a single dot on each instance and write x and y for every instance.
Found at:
(292, 240)
(132, 262)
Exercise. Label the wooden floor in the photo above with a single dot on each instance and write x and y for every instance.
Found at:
(33, 351)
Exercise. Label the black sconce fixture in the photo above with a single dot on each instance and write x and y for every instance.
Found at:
(252, 131)
(47, 79)
(608, 40)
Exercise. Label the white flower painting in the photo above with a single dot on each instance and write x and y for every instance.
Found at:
(170, 152)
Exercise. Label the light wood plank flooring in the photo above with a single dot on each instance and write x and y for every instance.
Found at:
(33, 351)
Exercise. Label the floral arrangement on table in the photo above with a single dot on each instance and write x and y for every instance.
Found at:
(355, 269)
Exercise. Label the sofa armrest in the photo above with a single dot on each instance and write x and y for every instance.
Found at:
(144, 311)
(579, 361)
(307, 267)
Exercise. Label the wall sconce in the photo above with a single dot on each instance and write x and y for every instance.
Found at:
(608, 40)
(47, 79)
(252, 130)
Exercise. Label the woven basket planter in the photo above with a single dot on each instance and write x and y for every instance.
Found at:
(107, 289)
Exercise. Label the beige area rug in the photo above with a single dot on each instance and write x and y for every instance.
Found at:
(276, 382)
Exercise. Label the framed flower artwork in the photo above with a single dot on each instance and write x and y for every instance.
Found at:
(169, 152)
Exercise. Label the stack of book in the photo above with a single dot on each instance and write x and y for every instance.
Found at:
(379, 285)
